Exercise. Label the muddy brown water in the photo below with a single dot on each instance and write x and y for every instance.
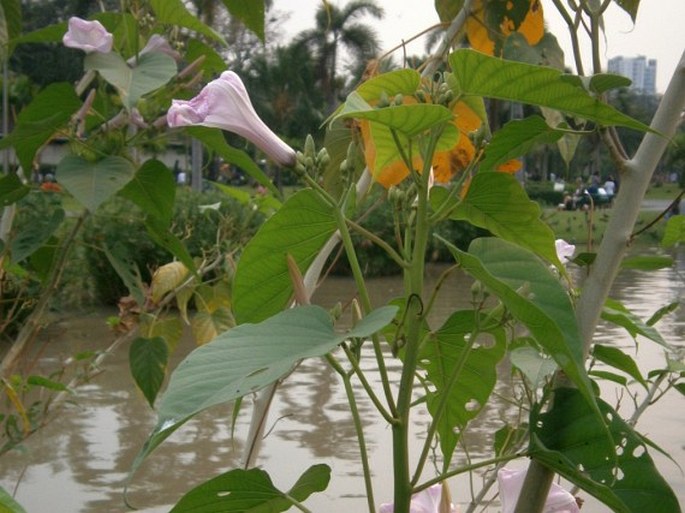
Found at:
(79, 462)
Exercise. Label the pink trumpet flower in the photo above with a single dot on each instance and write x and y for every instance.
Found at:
(225, 104)
(89, 36)
(564, 250)
(510, 483)
(426, 501)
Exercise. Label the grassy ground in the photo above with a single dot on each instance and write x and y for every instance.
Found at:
(574, 227)
(666, 191)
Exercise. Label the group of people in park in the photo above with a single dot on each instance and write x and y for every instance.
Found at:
(595, 194)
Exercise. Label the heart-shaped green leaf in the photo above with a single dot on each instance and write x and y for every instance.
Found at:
(92, 183)
(462, 373)
(152, 71)
(153, 189)
(570, 439)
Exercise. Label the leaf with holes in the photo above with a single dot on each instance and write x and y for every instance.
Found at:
(241, 491)
(462, 373)
(533, 296)
(248, 358)
(92, 183)
(570, 439)
(482, 75)
(148, 360)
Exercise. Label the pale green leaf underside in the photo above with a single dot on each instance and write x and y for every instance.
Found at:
(92, 183)
(409, 120)
(248, 358)
(152, 71)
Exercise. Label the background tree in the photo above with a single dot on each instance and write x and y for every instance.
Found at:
(337, 30)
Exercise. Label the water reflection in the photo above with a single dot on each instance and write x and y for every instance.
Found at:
(79, 463)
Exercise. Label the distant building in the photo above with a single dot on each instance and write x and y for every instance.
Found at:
(640, 70)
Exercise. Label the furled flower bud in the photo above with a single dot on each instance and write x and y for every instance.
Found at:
(225, 104)
(158, 44)
(89, 36)
(510, 483)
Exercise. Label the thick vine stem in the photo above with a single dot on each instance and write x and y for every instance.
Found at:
(636, 178)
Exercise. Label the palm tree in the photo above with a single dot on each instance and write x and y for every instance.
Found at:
(335, 28)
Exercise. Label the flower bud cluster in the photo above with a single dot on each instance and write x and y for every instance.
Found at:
(310, 162)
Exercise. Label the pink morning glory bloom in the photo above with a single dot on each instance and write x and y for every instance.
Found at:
(564, 250)
(510, 483)
(426, 501)
(225, 104)
(89, 36)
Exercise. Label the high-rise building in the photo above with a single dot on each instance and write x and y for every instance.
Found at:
(640, 70)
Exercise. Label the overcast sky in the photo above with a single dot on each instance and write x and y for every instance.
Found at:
(659, 32)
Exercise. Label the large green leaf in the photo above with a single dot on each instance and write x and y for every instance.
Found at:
(248, 358)
(11, 189)
(300, 228)
(481, 75)
(152, 71)
(92, 183)
(498, 203)
(213, 138)
(36, 124)
(8, 504)
(243, 491)
(617, 313)
(534, 296)
(27, 242)
(250, 12)
(153, 189)
(175, 12)
(571, 440)
(465, 373)
(148, 359)
(516, 138)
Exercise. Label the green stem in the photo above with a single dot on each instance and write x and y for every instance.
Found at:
(367, 386)
(359, 428)
(379, 242)
(365, 300)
